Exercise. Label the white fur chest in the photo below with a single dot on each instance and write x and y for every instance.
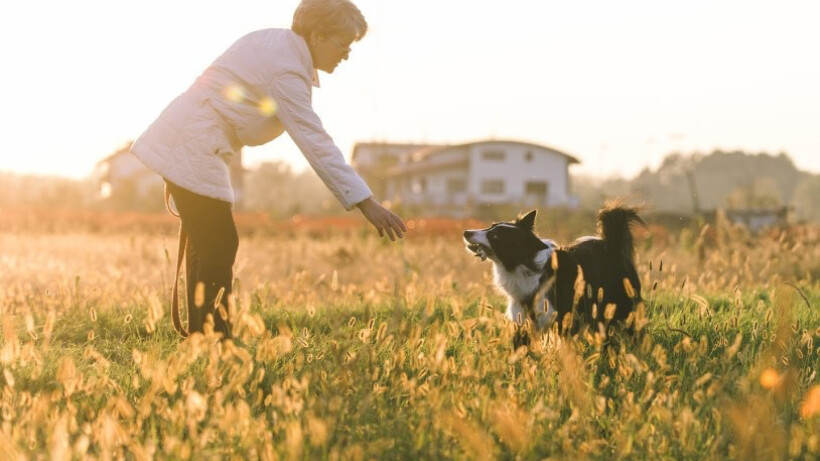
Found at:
(517, 284)
(521, 282)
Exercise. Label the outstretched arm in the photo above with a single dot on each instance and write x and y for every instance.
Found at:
(291, 91)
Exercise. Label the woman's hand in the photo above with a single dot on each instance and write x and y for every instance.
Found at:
(383, 219)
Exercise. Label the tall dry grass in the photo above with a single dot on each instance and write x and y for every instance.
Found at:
(349, 347)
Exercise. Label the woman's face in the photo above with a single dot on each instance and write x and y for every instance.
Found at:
(329, 50)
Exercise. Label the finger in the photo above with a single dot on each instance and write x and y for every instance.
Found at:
(398, 225)
(396, 221)
(397, 229)
(389, 230)
(381, 231)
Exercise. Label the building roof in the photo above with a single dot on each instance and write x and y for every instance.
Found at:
(433, 150)
(419, 164)
(407, 147)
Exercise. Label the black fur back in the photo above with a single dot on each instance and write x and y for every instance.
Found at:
(608, 269)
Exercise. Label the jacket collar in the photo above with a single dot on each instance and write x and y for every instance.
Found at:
(307, 60)
(316, 83)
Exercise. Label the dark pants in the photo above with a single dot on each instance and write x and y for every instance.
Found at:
(209, 256)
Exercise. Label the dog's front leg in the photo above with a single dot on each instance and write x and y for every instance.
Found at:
(516, 312)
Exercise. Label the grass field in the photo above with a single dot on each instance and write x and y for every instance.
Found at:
(349, 347)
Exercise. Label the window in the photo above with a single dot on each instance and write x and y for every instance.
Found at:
(493, 155)
(537, 188)
(492, 186)
(456, 186)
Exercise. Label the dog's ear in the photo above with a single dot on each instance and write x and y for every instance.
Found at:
(527, 221)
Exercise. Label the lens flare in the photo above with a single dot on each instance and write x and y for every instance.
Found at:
(267, 106)
(234, 93)
(769, 379)
(811, 405)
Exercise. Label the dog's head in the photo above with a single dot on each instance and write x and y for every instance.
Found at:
(507, 243)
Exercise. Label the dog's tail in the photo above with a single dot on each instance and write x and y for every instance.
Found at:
(615, 223)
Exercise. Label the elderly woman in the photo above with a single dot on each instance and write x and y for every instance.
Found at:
(258, 89)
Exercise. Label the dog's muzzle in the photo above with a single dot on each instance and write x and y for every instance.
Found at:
(478, 250)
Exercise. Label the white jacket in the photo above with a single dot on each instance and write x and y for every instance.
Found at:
(259, 88)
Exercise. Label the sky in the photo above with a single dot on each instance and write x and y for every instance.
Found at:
(618, 85)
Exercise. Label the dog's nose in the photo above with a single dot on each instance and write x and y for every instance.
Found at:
(468, 234)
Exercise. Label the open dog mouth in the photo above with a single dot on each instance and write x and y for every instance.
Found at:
(478, 250)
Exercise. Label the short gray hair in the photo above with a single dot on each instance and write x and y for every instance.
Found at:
(328, 17)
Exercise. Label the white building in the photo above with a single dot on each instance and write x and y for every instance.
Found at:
(121, 170)
(372, 160)
(456, 179)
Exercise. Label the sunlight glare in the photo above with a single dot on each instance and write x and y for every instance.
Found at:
(234, 93)
(267, 106)
(769, 379)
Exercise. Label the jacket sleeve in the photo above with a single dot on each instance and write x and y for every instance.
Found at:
(291, 92)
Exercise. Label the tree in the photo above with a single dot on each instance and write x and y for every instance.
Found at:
(273, 187)
(760, 193)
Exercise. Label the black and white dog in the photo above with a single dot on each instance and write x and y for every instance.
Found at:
(594, 277)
